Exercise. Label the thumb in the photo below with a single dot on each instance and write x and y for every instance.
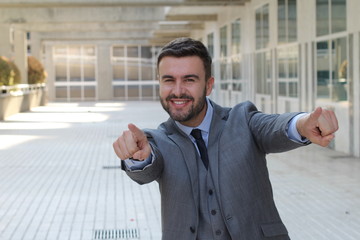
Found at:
(315, 115)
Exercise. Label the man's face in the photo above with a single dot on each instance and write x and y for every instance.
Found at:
(183, 89)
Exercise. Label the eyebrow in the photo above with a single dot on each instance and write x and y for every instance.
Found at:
(186, 76)
(166, 76)
(192, 76)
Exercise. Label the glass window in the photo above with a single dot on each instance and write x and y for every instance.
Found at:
(322, 17)
(332, 70)
(89, 51)
(89, 72)
(339, 70)
(118, 52)
(146, 52)
(60, 50)
(235, 37)
(133, 92)
(223, 58)
(287, 21)
(119, 72)
(223, 42)
(133, 63)
(292, 21)
(133, 52)
(262, 27)
(75, 72)
(236, 73)
(119, 91)
(263, 72)
(61, 92)
(75, 92)
(210, 44)
(282, 36)
(323, 69)
(288, 71)
(147, 71)
(147, 91)
(76, 64)
(133, 71)
(146, 64)
(236, 55)
(89, 92)
(60, 72)
(338, 16)
(75, 51)
(330, 16)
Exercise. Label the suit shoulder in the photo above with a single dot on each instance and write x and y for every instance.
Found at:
(245, 108)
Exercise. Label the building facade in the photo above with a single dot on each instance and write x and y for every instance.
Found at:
(284, 55)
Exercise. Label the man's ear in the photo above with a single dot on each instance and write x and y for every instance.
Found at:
(209, 85)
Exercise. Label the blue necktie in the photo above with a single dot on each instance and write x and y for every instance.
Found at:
(196, 133)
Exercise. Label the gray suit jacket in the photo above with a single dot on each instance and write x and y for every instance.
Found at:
(239, 139)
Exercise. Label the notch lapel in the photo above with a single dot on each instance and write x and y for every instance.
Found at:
(218, 121)
(185, 145)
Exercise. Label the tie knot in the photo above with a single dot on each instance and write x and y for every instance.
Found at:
(196, 133)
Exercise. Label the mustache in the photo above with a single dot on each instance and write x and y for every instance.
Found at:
(182, 96)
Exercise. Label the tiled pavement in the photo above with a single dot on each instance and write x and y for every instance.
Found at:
(59, 179)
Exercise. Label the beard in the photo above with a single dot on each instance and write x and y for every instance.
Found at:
(184, 115)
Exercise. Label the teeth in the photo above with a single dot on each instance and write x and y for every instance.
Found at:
(179, 102)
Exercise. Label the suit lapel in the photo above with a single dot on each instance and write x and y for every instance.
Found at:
(185, 145)
(217, 125)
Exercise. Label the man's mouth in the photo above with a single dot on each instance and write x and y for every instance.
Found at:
(179, 102)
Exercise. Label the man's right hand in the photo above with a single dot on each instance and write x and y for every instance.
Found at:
(132, 143)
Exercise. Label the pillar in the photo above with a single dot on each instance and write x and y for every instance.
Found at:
(49, 68)
(5, 41)
(104, 72)
(20, 54)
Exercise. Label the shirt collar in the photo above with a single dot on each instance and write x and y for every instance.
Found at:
(204, 125)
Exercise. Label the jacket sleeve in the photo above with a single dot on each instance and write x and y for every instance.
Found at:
(270, 131)
(149, 172)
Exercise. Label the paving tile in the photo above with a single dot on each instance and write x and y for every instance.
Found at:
(61, 180)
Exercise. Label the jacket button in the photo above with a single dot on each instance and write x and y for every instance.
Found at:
(192, 229)
(213, 212)
(211, 192)
(218, 232)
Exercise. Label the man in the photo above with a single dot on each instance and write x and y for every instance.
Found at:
(223, 192)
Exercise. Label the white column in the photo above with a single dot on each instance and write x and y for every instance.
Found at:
(5, 41)
(20, 54)
(104, 73)
(49, 68)
(35, 45)
(356, 96)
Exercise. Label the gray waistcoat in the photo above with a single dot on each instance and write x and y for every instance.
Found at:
(211, 224)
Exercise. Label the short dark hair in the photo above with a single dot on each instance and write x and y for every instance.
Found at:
(185, 47)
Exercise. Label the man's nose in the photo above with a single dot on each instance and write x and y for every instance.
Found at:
(178, 89)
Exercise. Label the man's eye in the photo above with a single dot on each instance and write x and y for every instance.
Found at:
(189, 80)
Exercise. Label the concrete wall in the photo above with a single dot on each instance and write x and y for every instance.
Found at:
(27, 97)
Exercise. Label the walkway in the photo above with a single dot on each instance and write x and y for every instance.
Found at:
(59, 179)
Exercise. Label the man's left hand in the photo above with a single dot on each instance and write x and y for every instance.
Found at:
(319, 126)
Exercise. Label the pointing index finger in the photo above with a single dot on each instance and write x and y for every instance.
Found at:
(138, 133)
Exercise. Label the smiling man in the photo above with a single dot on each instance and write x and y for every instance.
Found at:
(210, 161)
(183, 89)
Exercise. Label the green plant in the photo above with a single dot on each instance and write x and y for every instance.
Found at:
(17, 74)
(6, 72)
(36, 72)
